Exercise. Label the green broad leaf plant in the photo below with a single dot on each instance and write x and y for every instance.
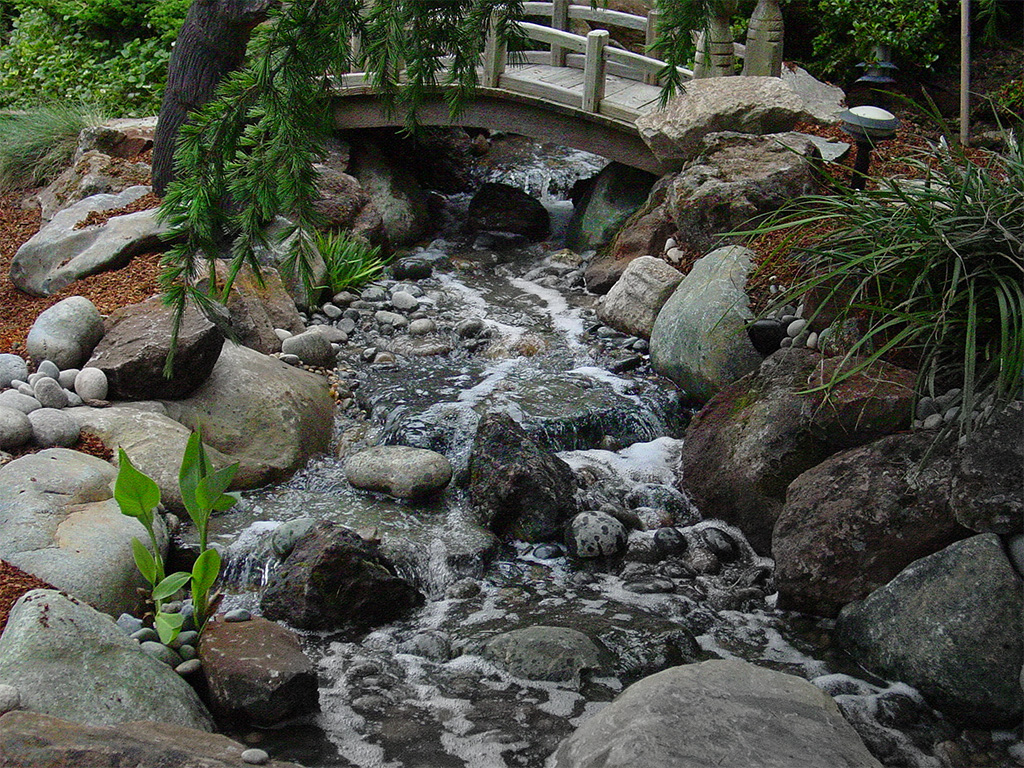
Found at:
(204, 491)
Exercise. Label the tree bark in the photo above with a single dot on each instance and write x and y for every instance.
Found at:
(210, 45)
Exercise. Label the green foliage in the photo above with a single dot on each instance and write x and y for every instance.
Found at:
(1009, 100)
(351, 261)
(934, 269)
(35, 145)
(852, 28)
(257, 142)
(65, 58)
(204, 492)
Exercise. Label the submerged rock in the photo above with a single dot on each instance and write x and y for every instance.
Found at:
(717, 713)
(556, 654)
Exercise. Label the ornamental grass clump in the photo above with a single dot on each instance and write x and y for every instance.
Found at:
(350, 261)
(931, 268)
(37, 144)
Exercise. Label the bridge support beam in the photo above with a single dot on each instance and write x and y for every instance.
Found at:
(514, 113)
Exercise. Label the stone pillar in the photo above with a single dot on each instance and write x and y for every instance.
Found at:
(715, 57)
(764, 40)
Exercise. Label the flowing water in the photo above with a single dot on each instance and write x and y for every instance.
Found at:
(419, 692)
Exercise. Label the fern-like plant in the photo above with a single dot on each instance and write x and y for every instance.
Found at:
(350, 261)
(36, 144)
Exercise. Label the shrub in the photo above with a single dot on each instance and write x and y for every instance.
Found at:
(851, 29)
(37, 144)
(934, 269)
(49, 58)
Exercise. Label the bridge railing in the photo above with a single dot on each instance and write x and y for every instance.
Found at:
(592, 53)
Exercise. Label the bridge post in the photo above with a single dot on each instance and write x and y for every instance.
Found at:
(593, 70)
(559, 20)
(494, 56)
(653, 18)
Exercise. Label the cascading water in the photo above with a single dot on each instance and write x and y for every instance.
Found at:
(428, 691)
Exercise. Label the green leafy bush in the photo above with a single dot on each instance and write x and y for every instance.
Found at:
(852, 28)
(67, 58)
(204, 491)
(37, 144)
(933, 268)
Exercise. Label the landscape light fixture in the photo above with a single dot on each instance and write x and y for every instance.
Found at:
(878, 71)
(867, 125)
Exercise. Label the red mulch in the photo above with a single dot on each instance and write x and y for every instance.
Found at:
(14, 583)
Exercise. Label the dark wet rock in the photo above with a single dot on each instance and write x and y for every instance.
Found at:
(758, 434)
(950, 625)
(134, 350)
(501, 208)
(33, 740)
(675, 719)
(766, 335)
(256, 672)
(556, 654)
(853, 522)
(334, 579)
(603, 207)
(669, 541)
(721, 545)
(518, 490)
(988, 477)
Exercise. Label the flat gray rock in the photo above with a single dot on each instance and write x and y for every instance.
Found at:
(555, 654)
(104, 676)
(633, 303)
(59, 253)
(717, 714)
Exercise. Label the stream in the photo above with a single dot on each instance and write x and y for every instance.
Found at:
(419, 692)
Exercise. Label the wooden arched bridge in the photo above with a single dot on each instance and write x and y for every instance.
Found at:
(582, 91)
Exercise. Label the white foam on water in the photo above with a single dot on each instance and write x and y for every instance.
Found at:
(649, 462)
(486, 387)
(565, 320)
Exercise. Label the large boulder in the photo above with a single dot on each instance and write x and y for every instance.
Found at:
(346, 206)
(332, 579)
(744, 104)
(699, 338)
(737, 178)
(154, 443)
(394, 192)
(753, 438)
(73, 662)
(256, 672)
(989, 475)
(93, 173)
(31, 740)
(268, 416)
(853, 522)
(607, 201)
(68, 248)
(398, 470)
(501, 208)
(950, 625)
(643, 234)
(59, 522)
(727, 714)
(65, 333)
(134, 351)
(633, 303)
(518, 490)
(257, 306)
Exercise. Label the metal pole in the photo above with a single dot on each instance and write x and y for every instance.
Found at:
(965, 72)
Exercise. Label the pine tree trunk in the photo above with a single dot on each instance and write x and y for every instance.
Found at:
(210, 45)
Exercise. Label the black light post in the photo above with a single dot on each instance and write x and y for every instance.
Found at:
(867, 125)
